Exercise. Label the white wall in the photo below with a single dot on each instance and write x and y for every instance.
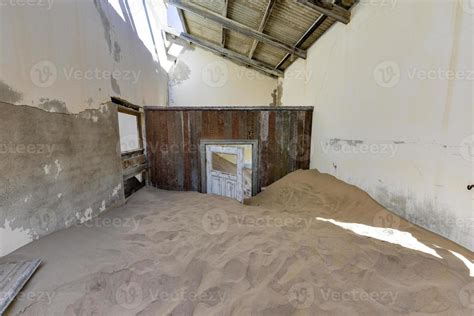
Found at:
(70, 56)
(388, 118)
(203, 78)
(59, 54)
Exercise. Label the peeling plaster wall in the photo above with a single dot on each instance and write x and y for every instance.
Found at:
(388, 117)
(60, 62)
(203, 78)
(57, 170)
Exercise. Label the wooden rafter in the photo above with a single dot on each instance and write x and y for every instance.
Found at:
(224, 14)
(327, 8)
(305, 36)
(236, 26)
(263, 23)
(217, 49)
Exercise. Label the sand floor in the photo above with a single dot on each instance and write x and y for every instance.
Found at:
(294, 250)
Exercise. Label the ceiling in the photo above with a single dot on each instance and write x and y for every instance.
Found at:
(267, 35)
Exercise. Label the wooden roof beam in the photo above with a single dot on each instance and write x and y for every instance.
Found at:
(266, 16)
(217, 49)
(224, 14)
(329, 9)
(237, 27)
(305, 36)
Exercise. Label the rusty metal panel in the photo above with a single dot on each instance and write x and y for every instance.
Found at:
(173, 137)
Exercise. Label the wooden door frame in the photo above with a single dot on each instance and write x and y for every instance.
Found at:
(220, 142)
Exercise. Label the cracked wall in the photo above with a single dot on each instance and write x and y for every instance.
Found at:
(57, 170)
(389, 117)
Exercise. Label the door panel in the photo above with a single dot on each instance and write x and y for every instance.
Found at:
(224, 170)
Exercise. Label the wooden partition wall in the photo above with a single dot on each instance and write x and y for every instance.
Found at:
(173, 137)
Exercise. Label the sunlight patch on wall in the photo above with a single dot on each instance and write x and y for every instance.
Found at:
(116, 5)
(175, 50)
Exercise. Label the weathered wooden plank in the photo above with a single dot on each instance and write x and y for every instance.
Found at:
(186, 151)
(300, 149)
(252, 125)
(230, 108)
(307, 139)
(174, 139)
(235, 124)
(243, 125)
(283, 144)
(163, 152)
(132, 172)
(263, 148)
(213, 128)
(293, 146)
(221, 124)
(133, 161)
(206, 122)
(150, 137)
(268, 169)
(228, 125)
(179, 137)
(196, 132)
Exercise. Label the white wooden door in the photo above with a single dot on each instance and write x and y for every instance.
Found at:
(224, 170)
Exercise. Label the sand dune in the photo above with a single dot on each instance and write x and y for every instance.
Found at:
(288, 252)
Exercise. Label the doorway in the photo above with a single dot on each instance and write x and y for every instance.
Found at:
(230, 168)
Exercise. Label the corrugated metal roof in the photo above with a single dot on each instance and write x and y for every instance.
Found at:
(289, 22)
